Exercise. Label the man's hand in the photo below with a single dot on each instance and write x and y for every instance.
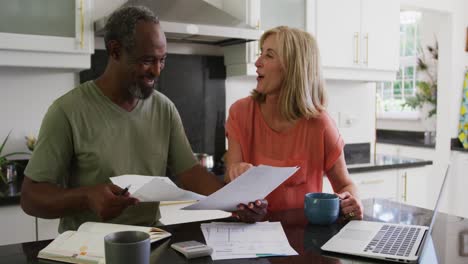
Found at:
(106, 200)
(253, 212)
(235, 170)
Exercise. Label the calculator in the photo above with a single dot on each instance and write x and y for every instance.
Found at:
(192, 249)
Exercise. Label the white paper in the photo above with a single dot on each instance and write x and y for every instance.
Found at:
(241, 240)
(255, 183)
(171, 213)
(154, 188)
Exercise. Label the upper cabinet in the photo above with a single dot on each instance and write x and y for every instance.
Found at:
(46, 33)
(358, 39)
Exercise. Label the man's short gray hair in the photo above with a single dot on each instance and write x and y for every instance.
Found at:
(121, 25)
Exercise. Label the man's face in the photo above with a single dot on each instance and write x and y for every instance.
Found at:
(146, 61)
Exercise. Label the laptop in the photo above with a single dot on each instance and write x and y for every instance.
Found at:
(391, 242)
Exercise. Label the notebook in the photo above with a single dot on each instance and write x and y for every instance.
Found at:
(391, 242)
(86, 245)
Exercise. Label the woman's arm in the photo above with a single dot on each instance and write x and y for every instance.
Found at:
(351, 206)
(235, 164)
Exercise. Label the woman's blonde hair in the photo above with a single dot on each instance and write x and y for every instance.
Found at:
(303, 90)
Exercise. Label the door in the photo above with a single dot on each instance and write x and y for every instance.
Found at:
(47, 25)
(380, 34)
(338, 32)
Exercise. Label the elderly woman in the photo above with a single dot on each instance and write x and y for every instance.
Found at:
(284, 123)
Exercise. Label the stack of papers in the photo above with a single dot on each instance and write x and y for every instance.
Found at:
(241, 240)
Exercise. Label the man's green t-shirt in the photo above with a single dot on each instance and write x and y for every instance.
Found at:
(85, 139)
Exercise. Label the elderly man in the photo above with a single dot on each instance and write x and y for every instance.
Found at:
(117, 124)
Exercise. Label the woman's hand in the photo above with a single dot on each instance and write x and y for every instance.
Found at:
(350, 207)
(235, 170)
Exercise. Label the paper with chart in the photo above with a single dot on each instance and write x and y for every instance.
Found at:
(256, 183)
(241, 240)
(154, 188)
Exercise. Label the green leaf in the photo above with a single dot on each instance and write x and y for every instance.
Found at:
(4, 142)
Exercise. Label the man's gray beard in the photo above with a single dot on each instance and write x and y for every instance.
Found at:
(137, 92)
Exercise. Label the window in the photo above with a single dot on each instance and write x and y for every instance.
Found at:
(391, 95)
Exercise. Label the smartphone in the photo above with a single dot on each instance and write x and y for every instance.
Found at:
(192, 249)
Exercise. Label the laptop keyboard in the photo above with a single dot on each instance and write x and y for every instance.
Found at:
(394, 240)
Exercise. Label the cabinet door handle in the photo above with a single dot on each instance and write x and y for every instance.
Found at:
(81, 24)
(405, 187)
(356, 47)
(373, 181)
(366, 37)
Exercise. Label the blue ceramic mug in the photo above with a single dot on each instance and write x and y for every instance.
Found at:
(321, 208)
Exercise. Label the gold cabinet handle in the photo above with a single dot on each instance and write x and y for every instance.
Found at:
(366, 37)
(81, 24)
(372, 181)
(356, 44)
(405, 187)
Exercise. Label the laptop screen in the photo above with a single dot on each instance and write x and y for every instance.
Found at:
(424, 245)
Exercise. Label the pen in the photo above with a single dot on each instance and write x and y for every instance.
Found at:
(125, 190)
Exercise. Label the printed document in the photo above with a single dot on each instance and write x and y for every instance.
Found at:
(154, 188)
(241, 240)
(255, 183)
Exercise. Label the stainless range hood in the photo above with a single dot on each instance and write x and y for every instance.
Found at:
(194, 21)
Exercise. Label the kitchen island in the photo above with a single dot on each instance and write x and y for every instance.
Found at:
(449, 238)
(379, 171)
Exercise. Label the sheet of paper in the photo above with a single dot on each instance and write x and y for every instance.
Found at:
(171, 213)
(241, 240)
(256, 183)
(154, 188)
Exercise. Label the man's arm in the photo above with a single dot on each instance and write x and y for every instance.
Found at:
(48, 200)
(199, 180)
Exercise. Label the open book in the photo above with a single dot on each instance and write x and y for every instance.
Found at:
(86, 245)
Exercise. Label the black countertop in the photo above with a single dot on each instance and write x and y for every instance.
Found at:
(406, 138)
(386, 162)
(10, 195)
(449, 238)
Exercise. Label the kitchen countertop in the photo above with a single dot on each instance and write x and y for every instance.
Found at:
(387, 162)
(11, 195)
(405, 138)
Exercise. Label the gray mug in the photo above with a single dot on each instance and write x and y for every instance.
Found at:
(127, 247)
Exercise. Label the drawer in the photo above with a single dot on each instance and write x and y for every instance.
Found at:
(380, 184)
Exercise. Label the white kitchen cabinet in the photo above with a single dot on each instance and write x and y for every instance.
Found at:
(413, 183)
(413, 186)
(16, 226)
(457, 184)
(358, 39)
(373, 184)
(292, 13)
(240, 59)
(47, 33)
(47, 228)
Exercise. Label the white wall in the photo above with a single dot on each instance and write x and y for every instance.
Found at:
(360, 110)
(25, 95)
(352, 105)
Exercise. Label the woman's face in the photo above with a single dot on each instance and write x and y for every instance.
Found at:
(270, 73)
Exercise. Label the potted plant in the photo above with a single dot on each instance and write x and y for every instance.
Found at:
(4, 161)
(426, 94)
